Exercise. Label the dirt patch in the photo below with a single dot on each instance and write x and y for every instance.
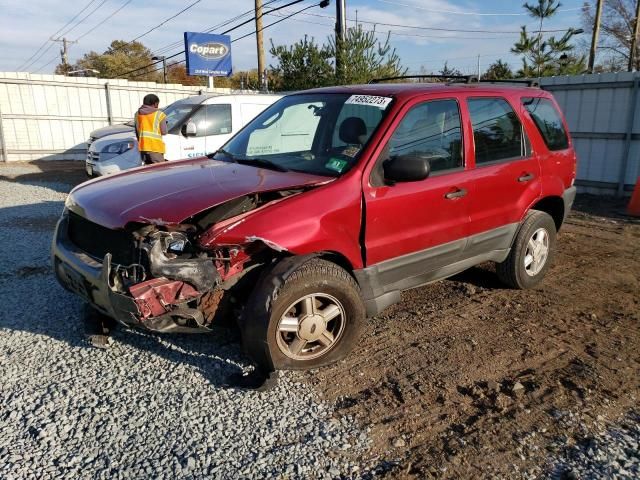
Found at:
(466, 378)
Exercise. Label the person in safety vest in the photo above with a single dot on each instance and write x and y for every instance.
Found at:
(151, 125)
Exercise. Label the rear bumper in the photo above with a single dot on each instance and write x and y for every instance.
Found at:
(89, 278)
(568, 197)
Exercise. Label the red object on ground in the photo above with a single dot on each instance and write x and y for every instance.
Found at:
(155, 296)
(633, 208)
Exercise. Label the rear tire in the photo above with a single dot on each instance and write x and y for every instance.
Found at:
(531, 253)
(306, 316)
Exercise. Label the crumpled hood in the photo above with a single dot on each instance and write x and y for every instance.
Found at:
(174, 191)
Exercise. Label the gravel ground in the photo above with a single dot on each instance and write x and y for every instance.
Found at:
(150, 406)
(613, 454)
(154, 406)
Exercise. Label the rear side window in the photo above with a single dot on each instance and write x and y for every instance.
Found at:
(213, 120)
(431, 130)
(497, 131)
(548, 121)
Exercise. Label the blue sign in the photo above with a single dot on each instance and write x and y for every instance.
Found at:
(208, 54)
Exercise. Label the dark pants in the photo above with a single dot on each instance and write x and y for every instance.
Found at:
(152, 157)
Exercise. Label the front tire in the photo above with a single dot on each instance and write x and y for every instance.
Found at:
(531, 253)
(305, 317)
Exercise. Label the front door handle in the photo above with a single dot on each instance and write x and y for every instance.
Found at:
(458, 193)
(527, 177)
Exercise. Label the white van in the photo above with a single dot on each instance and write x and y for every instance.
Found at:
(196, 126)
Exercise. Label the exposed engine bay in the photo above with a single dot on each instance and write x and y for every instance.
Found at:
(176, 284)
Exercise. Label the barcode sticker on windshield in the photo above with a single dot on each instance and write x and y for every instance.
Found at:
(371, 100)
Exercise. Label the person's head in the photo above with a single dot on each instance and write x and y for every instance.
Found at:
(151, 100)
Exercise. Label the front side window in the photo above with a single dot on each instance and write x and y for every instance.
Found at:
(321, 134)
(176, 113)
(212, 120)
(497, 131)
(430, 130)
(548, 121)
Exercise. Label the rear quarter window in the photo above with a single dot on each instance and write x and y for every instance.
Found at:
(549, 122)
(497, 132)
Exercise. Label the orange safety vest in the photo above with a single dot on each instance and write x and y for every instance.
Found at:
(149, 135)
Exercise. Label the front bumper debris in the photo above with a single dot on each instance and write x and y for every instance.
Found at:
(158, 304)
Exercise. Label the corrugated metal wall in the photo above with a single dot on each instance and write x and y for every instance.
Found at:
(602, 113)
(50, 116)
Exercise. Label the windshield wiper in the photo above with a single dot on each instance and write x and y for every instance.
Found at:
(223, 152)
(261, 162)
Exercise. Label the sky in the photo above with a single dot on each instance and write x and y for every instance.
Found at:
(26, 26)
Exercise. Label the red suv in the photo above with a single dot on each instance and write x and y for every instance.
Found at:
(321, 211)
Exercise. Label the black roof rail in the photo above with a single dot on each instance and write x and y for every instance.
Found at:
(450, 78)
(528, 83)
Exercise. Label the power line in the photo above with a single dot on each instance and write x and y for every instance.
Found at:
(28, 61)
(85, 17)
(138, 37)
(239, 38)
(223, 33)
(277, 21)
(458, 12)
(170, 46)
(167, 20)
(220, 25)
(439, 29)
(109, 17)
(397, 33)
(426, 61)
(65, 32)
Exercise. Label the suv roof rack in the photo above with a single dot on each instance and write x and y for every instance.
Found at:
(459, 79)
(451, 78)
(528, 83)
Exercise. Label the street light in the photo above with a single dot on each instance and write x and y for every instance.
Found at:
(85, 71)
(164, 66)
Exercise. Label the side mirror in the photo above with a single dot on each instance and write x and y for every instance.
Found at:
(189, 129)
(406, 168)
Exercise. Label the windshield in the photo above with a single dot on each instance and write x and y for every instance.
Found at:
(177, 112)
(321, 134)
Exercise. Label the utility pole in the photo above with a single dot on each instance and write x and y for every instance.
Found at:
(164, 66)
(594, 38)
(341, 32)
(260, 44)
(64, 51)
(634, 39)
(478, 67)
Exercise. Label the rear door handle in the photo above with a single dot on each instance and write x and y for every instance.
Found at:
(459, 193)
(527, 177)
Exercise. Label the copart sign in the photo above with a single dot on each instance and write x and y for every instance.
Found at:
(208, 54)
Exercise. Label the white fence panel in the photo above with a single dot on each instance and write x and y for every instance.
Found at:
(49, 117)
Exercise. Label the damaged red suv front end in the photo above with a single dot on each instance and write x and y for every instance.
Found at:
(149, 259)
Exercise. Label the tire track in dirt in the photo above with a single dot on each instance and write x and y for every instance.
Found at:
(467, 378)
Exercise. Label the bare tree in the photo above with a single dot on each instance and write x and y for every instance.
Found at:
(616, 30)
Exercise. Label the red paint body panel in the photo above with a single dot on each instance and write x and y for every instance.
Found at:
(157, 296)
(174, 191)
(326, 218)
(397, 220)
